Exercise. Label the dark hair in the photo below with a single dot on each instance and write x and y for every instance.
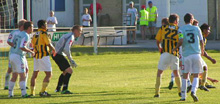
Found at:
(204, 26)
(27, 24)
(188, 17)
(173, 18)
(195, 21)
(76, 27)
(41, 23)
(165, 20)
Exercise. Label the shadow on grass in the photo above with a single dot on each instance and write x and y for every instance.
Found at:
(102, 93)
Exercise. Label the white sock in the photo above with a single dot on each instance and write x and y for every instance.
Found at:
(7, 78)
(172, 77)
(195, 85)
(11, 88)
(188, 82)
(23, 87)
(183, 89)
(26, 80)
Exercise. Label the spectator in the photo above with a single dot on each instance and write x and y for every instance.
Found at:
(132, 12)
(51, 22)
(165, 21)
(196, 22)
(86, 18)
(143, 21)
(152, 18)
(98, 9)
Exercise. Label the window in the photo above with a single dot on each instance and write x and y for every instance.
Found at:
(59, 5)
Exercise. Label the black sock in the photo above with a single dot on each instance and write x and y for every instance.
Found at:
(60, 82)
(66, 81)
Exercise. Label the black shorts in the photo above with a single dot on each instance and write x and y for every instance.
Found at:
(61, 61)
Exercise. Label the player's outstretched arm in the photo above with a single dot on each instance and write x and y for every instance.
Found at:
(27, 50)
(209, 57)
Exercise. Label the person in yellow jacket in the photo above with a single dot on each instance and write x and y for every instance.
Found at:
(143, 21)
(152, 18)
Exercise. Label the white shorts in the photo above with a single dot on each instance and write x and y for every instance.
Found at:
(168, 60)
(193, 63)
(204, 63)
(42, 64)
(19, 63)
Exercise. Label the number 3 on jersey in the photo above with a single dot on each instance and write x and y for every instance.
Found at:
(191, 38)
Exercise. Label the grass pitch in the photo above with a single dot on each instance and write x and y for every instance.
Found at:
(115, 76)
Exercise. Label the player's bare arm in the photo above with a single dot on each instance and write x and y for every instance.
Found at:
(209, 57)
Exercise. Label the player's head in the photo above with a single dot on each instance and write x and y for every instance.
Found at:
(150, 3)
(21, 24)
(28, 27)
(42, 24)
(195, 22)
(165, 21)
(77, 30)
(86, 10)
(143, 7)
(174, 18)
(205, 28)
(131, 4)
(188, 18)
(51, 13)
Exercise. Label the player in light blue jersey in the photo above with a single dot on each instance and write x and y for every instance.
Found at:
(190, 37)
(18, 60)
(10, 42)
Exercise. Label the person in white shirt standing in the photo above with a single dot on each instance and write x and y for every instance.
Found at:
(86, 18)
(51, 22)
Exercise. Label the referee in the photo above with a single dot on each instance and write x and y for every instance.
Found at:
(63, 47)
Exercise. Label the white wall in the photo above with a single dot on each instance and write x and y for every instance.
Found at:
(66, 18)
(197, 7)
(41, 9)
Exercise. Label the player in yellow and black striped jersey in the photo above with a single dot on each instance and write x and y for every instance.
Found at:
(41, 44)
(168, 36)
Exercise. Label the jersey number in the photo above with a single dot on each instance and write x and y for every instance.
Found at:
(15, 43)
(192, 38)
(170, 31)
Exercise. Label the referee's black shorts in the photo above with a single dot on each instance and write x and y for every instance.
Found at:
(61, 61)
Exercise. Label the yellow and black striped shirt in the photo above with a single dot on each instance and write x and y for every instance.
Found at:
(40, 43)
(168, 36)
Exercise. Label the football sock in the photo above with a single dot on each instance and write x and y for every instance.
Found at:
(183, 89)
(66, 81)
(188, 82)
(7, 78)
(11, 87)
(33, 90)
(178, 83)
(195, 85)
(172, 77)
(23, 87)
(191, 78)
(26, 79)
(204, 78)
(157, 86)
(60, 82)
(44, 86)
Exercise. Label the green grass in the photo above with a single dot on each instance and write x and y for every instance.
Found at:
(115, 76)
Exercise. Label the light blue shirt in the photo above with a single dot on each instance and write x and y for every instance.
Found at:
(131, 17)
(20, 41)
(11, 37)
(191, 39)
